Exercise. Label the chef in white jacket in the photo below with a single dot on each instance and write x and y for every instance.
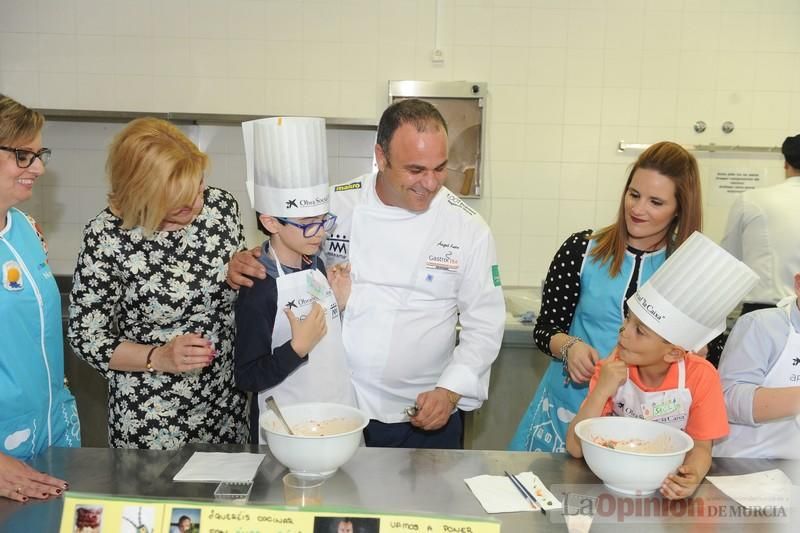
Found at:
(421, 261)
(762, 230)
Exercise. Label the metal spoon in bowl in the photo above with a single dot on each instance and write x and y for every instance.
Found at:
(270, 401)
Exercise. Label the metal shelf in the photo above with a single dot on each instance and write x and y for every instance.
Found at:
(623, 146)
(89, 115)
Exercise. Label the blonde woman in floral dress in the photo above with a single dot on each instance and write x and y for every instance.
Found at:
(149, 308)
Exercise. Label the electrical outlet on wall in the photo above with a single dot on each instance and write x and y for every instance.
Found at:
(437, 56)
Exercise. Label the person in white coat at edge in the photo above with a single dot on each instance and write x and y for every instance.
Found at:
(422, 261)
(762, 230)
(37, 409)
(760, 371)
(277, 353)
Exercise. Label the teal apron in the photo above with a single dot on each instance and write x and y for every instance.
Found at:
(38, 411)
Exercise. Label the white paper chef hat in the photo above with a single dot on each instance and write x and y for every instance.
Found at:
(688, 299)
(287, 166)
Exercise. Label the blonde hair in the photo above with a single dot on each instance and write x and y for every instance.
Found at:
(673, 161)
(153, 169)
(17, 122)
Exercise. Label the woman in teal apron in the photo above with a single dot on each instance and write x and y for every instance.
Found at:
(591, 276)
(36, 408)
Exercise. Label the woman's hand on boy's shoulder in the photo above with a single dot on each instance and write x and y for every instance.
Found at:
(243, 266)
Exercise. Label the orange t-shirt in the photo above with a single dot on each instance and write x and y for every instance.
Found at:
(707, 418)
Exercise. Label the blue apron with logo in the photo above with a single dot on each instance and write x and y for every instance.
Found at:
(36, 408)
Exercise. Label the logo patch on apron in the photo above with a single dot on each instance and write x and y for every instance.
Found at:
(12, 276)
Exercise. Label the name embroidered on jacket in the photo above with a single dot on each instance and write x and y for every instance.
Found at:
(455, 201)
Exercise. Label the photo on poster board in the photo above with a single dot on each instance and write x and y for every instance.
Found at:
(346, 524)
(184, 520)
(88, 519)
(138, 519)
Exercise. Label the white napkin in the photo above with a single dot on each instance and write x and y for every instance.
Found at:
(771, 488)
(498, 495)
(219, 466)
(578, 523)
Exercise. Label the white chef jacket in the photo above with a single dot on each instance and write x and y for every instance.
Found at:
(399, 327)
(762, 230)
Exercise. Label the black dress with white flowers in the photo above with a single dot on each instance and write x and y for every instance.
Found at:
(148, 290)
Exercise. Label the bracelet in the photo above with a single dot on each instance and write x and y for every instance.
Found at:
(564, 353)
(148, 365)
(454, 397)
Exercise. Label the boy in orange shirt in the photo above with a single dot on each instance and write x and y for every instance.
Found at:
(653, 373)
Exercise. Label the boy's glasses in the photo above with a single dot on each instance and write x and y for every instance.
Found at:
(312, 228)
(25, 158)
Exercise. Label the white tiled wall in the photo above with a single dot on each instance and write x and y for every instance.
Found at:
(568, 79)
(74, 188)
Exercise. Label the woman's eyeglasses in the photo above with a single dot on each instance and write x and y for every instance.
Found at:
(312, 228)
(25, 158)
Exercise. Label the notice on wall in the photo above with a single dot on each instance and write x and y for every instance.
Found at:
(93, 513)
(728, 183)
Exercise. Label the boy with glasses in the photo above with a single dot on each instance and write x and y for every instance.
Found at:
(288, 339)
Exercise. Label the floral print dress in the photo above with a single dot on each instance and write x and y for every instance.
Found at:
(127, 287)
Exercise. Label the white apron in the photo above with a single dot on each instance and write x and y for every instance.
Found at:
(778, 438)
(387, 254)
(669, 406)
(325, 377)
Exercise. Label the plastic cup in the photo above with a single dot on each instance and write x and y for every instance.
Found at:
(302, 490)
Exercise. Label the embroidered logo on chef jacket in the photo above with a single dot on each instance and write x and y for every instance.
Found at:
(439, 260)
(12, 276)
(348, 187)
(455, 201)
(337, 245)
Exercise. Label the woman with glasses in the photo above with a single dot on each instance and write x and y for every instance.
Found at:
(149, 308)
(36, 408)
(288, 334)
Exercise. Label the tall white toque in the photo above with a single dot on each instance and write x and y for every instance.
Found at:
(689, 298)
(287, 166)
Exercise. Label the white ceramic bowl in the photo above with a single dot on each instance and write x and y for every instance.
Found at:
(630, 472)
(313, 455)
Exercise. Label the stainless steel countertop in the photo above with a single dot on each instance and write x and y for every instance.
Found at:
(376, 479)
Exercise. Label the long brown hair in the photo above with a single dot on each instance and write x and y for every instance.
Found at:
(673, 161)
